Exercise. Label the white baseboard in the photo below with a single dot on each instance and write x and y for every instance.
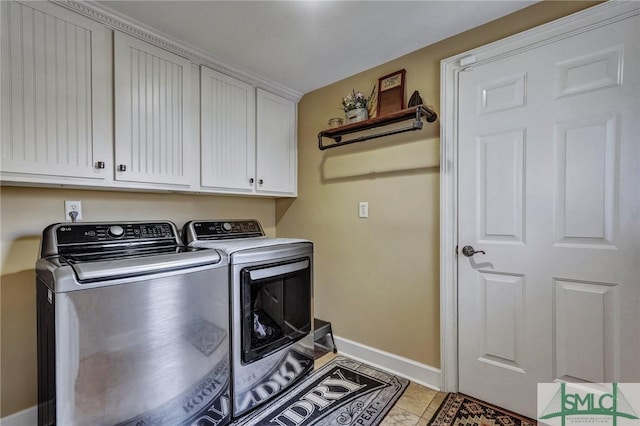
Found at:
(404, 367)
(28, 417)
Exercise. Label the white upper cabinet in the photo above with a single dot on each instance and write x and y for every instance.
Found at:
(54, 90)
(80, 108)
(248, 140)
(227, 133)
(276, 154)
(152, 92)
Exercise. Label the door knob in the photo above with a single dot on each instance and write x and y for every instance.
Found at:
(470, 251)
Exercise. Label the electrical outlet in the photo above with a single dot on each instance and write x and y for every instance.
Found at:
(73, 211)
(363, 209)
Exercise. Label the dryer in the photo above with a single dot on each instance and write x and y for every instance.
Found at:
(271, 307)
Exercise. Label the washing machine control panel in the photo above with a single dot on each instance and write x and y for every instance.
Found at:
(78, 233)
(217, 230)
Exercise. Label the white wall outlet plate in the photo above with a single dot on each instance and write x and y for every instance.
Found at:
(73, 211)
(363, 209)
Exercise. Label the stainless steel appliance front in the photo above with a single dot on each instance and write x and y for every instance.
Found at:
(271, 285)
(142, 339)
(282, 278)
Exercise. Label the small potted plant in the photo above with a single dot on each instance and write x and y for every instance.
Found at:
(356, 106)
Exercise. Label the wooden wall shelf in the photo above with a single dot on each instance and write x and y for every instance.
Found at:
(416, 113)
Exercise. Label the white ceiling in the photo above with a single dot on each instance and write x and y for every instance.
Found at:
(305, 45)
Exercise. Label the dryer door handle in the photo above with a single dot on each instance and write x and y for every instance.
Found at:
(274, 271)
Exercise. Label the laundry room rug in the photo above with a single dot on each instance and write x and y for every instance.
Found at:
(342, 392)
(459, 409)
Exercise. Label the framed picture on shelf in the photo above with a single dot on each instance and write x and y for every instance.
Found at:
(391, 93)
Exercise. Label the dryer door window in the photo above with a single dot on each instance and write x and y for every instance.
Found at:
(276, 307)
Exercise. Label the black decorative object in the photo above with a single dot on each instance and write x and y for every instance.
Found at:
(415, 100)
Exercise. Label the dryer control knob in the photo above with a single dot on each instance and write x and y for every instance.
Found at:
(115, 231)
(226, 226)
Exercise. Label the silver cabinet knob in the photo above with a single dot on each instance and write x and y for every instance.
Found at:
(260, 182)
(251, 181)
(470, 251)
(100, 164)
(122, 167)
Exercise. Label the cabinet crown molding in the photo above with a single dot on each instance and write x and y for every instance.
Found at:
(119, 22)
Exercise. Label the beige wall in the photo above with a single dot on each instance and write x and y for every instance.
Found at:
(377, 279)
(24, 212)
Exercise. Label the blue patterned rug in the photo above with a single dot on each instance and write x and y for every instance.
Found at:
(342, 392)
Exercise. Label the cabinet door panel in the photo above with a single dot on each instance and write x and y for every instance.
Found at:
(152, 88)
(276, 144)
(227, 125)
(54, 90)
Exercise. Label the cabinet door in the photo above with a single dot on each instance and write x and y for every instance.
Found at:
(276, 164)
(227, 124)
(152, 88)
(54, 93)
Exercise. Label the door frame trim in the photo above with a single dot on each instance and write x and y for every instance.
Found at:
(450, 69)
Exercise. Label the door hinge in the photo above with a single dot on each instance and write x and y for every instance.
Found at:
(466, 63)
(468, 60)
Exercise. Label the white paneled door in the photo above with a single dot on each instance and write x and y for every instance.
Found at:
(152, 88)
(54, 92)
(276, 153)
(549, 175)
(228, 136)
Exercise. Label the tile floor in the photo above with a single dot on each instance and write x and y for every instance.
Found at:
(415, 407)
